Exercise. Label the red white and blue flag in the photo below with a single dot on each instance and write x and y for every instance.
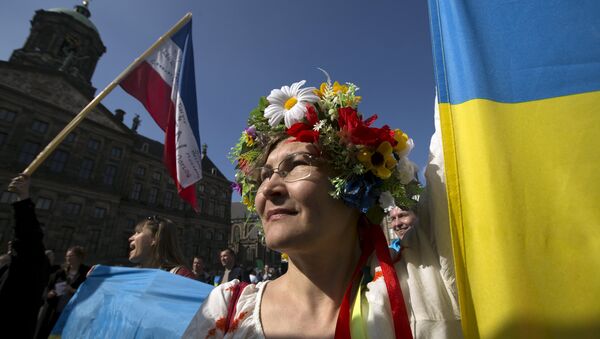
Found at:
(165, 84)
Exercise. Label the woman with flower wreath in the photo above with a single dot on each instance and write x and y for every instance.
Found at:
(320, 177)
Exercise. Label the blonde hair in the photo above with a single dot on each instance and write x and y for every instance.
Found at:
(166, 253)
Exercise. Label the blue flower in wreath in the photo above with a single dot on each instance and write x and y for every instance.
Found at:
(362, 191)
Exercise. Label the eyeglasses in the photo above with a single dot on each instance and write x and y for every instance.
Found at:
(294, 167)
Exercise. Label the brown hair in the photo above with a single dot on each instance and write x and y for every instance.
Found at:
(166, 253)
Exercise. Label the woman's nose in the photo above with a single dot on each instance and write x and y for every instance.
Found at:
(272, 186)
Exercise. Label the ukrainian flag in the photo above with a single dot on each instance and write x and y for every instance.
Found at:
(519, 101)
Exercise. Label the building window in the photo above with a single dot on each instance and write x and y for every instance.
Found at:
(211, 207)
(58, 160)
(65, 238)
(93, 144)
(156, 176)
(221, 211)
(99, 212)
(145, 148)
(116, 152)
(39, 126)
(72, 208)
(43, 203)
(7, 115)
(136, 191)
(110, 172)
(3, 137)
(201, 188)
(219, 236)
(181, 205)
(208, 235)
(94, 240)
(153, 195)
(87, 167)
(8, 197)
(236, 234)
(168, 199)
(140, 171)
(28, 152)
(70, 138)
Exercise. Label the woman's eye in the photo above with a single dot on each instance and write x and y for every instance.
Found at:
(265, 173)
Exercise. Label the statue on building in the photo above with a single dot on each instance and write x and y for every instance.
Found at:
(136, 123)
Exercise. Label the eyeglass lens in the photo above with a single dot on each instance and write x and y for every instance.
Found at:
(294, 167)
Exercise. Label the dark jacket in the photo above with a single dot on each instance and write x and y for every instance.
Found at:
(23, 280)
(239, 273)
(53, 307)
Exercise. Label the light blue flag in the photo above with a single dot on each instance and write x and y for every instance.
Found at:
(118, 302)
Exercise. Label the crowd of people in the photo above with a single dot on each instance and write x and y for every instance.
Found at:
(28, 268)
(320, 178)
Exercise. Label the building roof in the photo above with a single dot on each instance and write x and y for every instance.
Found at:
(76, 15)
(239, 211)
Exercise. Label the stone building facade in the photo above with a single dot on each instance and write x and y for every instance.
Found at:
(247, 239)
(104, 177)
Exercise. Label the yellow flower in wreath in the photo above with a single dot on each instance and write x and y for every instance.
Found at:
(381, 161)
(401, 138)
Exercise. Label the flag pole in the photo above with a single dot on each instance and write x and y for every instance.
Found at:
(43, 155)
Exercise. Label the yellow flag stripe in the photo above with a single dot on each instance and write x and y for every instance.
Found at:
(524, 213)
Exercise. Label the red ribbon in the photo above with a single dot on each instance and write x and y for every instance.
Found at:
(372, 238)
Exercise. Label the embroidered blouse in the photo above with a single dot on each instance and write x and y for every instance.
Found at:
(429, 294)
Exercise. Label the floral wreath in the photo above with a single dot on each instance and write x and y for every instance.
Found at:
(372, 171)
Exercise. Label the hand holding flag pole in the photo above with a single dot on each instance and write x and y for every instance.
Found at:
(45, 153)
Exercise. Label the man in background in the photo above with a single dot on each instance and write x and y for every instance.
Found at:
(231, 270)
(199, 272)
(402, 220)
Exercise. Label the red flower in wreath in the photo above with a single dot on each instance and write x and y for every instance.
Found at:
(304, 131)
(358, 132)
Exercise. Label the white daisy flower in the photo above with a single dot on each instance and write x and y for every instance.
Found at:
(319, 125)
(289, 104)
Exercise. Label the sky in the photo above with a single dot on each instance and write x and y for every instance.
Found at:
(244, 49)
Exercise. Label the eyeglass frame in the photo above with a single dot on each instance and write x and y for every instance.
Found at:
(312, 160)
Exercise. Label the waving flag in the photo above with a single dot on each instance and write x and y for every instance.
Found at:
(119, 302)
(165, 84)
(519, 100)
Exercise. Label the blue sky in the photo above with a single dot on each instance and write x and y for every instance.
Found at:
(243, 49)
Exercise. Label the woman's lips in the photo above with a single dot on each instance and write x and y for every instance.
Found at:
(278, 213)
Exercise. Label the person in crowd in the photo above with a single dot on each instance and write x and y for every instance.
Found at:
(61, 287)
(265, 273)
(25, 274)
(231, 270)
(402, 220)
(198, 269)
(318, 175)
(53, 267)
(154, 245)
(253, 276)
(5, 258)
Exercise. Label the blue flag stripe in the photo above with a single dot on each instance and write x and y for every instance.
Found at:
(536, 58)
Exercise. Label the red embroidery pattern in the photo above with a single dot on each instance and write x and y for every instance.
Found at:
(236, 322)
(219, 325)
(378, 275)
